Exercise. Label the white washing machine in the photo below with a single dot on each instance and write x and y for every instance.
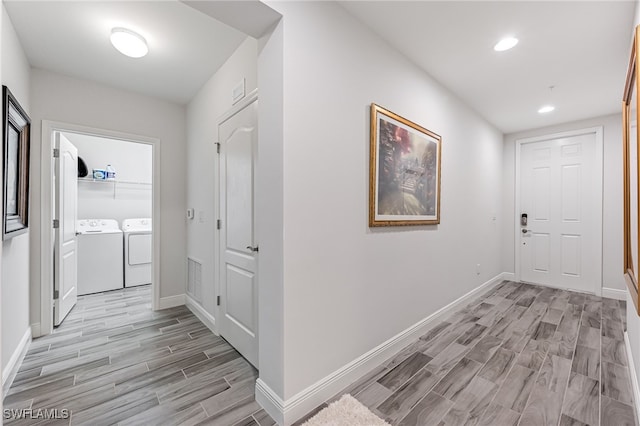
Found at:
(99, 255)
(138, 251)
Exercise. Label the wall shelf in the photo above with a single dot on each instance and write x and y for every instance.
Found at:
(129, 185)
(112, 181)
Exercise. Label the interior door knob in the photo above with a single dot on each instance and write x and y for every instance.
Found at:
(524, 231)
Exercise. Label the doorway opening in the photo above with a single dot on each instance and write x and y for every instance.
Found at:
(100, 233)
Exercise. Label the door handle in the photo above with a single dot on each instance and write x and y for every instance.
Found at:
(253, 249)
(524, 231)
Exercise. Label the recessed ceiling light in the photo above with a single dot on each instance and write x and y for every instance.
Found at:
(505, 44)
(545, 109)
(129, 43)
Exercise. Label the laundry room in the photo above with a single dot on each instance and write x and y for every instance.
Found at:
(114, 211)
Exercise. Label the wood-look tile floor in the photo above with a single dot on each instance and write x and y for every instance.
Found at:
(518, 355)
(114, 361)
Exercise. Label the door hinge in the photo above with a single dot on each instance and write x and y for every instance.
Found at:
(56, 294)
(218, 147)
(56, 224)
(218, 300)
(219, 224)
(56, 153)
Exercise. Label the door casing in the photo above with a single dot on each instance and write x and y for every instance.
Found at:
(598, 169)
(247, 100)
(47, 194)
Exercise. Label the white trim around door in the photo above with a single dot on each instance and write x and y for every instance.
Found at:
(251, 97)
(598, 189)
(46, 218)
(220, 295)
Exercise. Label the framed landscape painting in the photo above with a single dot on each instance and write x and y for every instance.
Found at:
(404, 177)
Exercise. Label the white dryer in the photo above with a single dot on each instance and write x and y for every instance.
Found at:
(99, 255)
(138, 251)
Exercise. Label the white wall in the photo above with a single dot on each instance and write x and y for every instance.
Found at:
(270, 203)
(212, 101)
(130, 196)
(611, 201)
(347, 287)
(15, 252)
(59, 98)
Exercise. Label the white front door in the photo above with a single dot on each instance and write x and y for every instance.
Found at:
(560, 192)
(66, 213)
(238, 137)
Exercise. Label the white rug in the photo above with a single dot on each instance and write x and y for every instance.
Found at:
(347, 411)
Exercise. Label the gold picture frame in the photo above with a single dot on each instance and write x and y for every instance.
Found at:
(631, 174)
(404, 176)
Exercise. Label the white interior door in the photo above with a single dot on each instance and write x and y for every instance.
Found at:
(560, 191)
(65, 288)
(238, 137)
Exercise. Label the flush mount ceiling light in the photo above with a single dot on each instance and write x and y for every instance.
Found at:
(505, 44)
(129, 43)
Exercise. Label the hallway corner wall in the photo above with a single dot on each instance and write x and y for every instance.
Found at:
(270, 204)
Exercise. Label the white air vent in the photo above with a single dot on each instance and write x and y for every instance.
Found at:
(194, 279)
(238, 92)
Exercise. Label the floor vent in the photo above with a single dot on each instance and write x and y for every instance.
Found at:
(194, 279)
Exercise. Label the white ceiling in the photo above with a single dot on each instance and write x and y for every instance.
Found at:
(580, 47)
(72, 37)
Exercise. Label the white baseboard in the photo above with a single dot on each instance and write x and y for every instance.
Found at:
(271, 402)
(35, 330)
(632, 373)
(10, 371)
(287, 412)
(614, 293)
(204, 316)
(171, 301)
(509, 276)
